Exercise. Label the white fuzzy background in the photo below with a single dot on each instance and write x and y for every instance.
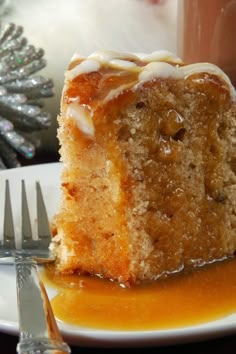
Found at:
(63, 27)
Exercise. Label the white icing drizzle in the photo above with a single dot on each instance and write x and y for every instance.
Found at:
(156, 66)
(121, 63)
(77, 56)
(82, 117)
(158, 69)
(85, 66)
(160, 55)
(107, 56)
(117, 91)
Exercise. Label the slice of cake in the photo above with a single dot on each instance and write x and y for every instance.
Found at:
(149, 162)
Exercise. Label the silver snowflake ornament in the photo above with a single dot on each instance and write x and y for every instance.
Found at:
(21, 96)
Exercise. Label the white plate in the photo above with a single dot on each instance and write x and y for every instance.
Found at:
(48, 175)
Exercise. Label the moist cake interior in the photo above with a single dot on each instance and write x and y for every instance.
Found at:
(148, 183)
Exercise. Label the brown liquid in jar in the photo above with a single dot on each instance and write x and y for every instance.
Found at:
(206, 33)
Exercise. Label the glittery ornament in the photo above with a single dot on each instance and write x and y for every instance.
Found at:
(21, 96)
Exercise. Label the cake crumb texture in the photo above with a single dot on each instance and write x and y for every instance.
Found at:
(148, 184)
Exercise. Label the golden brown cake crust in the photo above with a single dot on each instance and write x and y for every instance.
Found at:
(148, 184)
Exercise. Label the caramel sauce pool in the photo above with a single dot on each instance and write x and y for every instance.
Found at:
(183, 299)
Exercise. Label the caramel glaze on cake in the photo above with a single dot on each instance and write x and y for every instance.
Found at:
(149, 162)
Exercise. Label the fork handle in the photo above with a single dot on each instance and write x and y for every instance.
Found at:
(39, 332)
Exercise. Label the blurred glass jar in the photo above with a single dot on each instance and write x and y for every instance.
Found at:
(206, 32)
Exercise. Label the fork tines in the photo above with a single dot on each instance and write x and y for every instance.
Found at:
(8, 241)
(34, 247)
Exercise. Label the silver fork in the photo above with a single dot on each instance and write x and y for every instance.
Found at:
(38, 330)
